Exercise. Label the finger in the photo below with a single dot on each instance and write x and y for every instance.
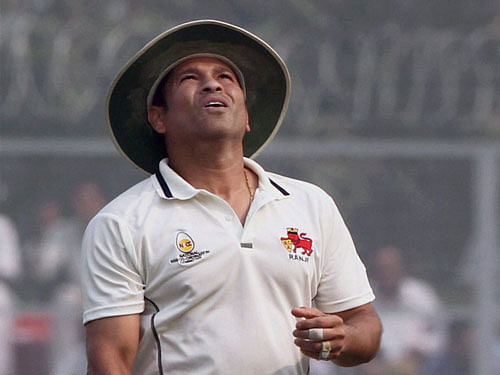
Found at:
(306, 312)
(316, 346)
(315, 334)
(328, 334)
(323, 321)
(325, 353)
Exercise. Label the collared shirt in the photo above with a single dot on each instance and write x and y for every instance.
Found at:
(215, 296)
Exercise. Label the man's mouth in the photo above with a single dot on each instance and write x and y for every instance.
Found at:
(215, 104)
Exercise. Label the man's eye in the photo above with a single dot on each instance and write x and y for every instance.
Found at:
(187, 77)
(226, 76)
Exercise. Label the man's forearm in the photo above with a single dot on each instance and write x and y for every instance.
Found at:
(112, 345)
(108, 362)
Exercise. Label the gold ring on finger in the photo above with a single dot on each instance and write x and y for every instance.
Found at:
(326, 347)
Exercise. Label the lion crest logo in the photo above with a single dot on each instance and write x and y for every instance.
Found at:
(294, 241)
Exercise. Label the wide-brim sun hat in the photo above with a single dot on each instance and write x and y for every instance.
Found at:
(262, 74)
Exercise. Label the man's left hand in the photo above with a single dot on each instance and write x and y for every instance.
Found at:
(329, 333)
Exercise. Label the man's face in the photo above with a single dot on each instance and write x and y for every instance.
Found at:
(204, 101)
(388, 270)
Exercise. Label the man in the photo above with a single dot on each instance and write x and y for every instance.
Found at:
(203, 267)
(10, 269)
(409, 305)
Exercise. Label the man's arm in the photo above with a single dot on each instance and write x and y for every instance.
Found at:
(112, 344)
(354, 335)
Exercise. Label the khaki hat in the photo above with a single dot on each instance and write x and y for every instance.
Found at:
(261, 72)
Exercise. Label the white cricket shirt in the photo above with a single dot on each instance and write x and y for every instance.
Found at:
(215, 296)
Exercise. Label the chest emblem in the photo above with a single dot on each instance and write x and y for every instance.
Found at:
(294, 241)
(184, 242)
(186, 253)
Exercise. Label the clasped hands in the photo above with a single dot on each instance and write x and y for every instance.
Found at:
(319, 335)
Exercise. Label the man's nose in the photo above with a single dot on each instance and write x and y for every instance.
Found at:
(210, 84)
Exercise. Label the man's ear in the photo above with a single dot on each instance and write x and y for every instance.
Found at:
(156, 119)
(247, 127)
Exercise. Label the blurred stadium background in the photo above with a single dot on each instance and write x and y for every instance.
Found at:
(395, 111)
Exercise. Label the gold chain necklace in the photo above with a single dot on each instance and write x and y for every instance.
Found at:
(248, 185)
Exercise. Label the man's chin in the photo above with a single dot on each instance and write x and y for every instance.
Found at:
(222, 128)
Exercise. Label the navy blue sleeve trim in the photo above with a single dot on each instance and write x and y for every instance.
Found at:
(155, 334)
(283, 191)
(163, 185)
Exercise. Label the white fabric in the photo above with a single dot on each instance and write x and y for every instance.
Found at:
(414, 321)
(59, 249)
(10, 258)
(10, 268)
(326, 368)
(219, 294)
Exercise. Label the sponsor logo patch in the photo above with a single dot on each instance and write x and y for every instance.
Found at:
(186, 253)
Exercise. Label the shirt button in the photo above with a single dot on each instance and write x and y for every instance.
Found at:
(229, 218)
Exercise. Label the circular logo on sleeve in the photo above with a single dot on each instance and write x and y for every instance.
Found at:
(184, 242)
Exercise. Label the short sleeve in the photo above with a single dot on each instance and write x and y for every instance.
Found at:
(343, 282)
(111, 280)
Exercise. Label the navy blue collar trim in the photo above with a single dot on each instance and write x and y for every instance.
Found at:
(164, 185)
(283, 191)
(168, 193)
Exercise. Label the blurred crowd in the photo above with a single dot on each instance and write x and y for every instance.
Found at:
(40, 301)
(420, 337)
(41, 308)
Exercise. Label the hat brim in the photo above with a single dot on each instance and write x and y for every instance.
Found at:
(266, 77)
